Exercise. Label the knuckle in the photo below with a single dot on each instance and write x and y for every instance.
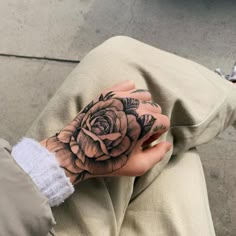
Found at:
(130, 82)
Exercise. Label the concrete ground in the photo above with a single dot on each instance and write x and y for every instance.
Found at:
(66, 29)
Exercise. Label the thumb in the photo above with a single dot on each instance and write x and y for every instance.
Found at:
(156, 153)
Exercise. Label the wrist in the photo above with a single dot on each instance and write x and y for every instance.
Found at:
(43, 143)
(61, 160)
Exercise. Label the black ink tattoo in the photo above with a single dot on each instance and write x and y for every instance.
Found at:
(151, 103)
(140, 91)
(160, 127)
(101, 137)
(146, 122)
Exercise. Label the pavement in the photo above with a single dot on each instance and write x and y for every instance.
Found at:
(41, 42)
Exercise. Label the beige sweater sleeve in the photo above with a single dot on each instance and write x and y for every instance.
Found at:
(24, 210)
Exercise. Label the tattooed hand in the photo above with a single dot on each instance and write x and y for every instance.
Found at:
(106, 137)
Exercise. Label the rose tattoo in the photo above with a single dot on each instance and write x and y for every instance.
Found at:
(100, 138)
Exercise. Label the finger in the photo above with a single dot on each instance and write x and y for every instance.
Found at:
(161, 124)
(141, 161)
(152, 124)
(141, 94)
(149, 106)
(155, 154)
(126, 85)
(151, 139)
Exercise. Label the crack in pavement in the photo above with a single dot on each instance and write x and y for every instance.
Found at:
(40, 58)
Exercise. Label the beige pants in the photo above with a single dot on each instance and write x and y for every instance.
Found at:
(171, 199)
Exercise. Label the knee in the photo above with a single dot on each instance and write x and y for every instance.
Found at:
(116, 44)
(119, 40)
(113, 50)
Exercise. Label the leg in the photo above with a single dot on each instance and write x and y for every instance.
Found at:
(199, 103)
(180, 86)
(175, 203)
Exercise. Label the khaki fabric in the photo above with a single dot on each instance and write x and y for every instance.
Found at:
(171, 199)
(175, 203)
(24, 210)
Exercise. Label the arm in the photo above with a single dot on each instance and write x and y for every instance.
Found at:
(112, 133)
(24, 210)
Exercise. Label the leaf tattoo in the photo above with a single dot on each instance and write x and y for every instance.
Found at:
(130, 103)
(109, 95)
(146, 122)
(151, 103)
(160, 127)
(86, 109)
(140, 91)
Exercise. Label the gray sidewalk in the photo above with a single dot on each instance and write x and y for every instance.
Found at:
(203, 31)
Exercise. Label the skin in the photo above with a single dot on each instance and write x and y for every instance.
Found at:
(111, 136)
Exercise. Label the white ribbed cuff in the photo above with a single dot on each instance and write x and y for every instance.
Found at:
(42, 166)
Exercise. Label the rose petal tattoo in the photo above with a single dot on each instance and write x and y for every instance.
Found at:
(101, 137)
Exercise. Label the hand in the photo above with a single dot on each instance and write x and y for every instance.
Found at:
(107, 136)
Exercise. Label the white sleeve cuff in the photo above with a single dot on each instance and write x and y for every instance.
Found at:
(42, 166)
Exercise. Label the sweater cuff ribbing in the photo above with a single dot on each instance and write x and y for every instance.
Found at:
(42, 166)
